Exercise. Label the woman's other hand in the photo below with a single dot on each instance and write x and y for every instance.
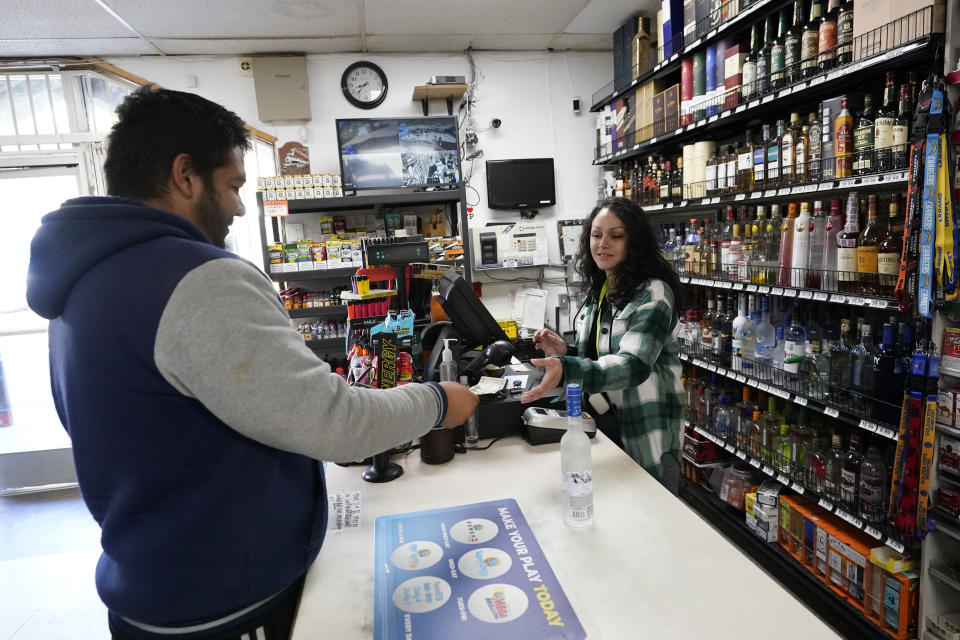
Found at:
(551, 378)
(549, 342)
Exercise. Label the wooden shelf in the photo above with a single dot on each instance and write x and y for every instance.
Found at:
(438, 91)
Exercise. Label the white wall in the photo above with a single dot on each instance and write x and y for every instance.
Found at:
(531, 92)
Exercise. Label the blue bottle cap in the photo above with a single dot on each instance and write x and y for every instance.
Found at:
(573, 400)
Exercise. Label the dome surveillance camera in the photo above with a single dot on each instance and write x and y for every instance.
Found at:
(495, 123)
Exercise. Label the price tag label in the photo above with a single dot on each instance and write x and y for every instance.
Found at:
(653, 140)
(873, 532)
(777, 291)
(826, 186)
(700, 123)
(846, 184)
(767, 99)
(768, 470)
(764, 387)
(755, 463)
(715, 200)
(685, 279)
(817, 80)
(678, 131)
(820, 295)
(753, 383)
(837, 297)
(737, 286)
(782, 479)
(712, 33)
(756, 194)
(669, 205)
(674, 57)
(870, 180)
(683, 203)
(784, 192)
(712, 367)
(887, 433)
(636, 146)
(691, 126)
(275, 208)
(740, 196)
(654, 207)
(800, 400)
(741, 455)
(785, 92)
(751, 288)
(830, 411)
(727, 285)
(825, 505)
(741, 379)
(783, 394)
(763, 289)
(869, 426)
(740, 109)
(753, 103)
(806, 295)
(725, 113)
(837, 74)
(769, 193)
(695, 43)
(713, 118)
(893, 544)
(789, 293)
(729, 447)
(858, 302)
(797, 488)
(877, 304)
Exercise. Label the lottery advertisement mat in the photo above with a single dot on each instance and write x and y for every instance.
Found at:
(468, 572)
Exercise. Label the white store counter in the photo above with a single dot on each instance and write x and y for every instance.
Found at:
(649, 567)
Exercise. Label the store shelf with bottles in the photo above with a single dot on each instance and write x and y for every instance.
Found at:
(330, 311)
(316, 274)
(846, 619)
(370, 200)
(322, 344)
(864, 411)
(805, 83)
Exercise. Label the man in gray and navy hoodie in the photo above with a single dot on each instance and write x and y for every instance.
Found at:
(197, 414)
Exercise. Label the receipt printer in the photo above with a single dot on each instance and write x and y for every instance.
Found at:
(543, 426)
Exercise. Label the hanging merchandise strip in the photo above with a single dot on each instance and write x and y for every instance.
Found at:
(906, 288)
(944, 259)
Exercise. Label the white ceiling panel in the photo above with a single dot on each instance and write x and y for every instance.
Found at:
(605, 16)
(582, 42)
(512, 42)
(228, 46)
(75, 47)
(240, 18)
(435, 17)
(385, 44)
(53, 19)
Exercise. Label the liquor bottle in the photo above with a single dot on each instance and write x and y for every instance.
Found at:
(734, 251)
(755, 434)
(850, 475)
(888, 375)
(818, 224)
(742, 417)
(716, 330)
(640, 59)
(649, 180)
(770, 426)
(843, 142)
(706, 326)
(765, 342)
(888, 251)
(785, 259)
(711, 172)
(816, 469)
(788, 149)
(810, 42)
(745, 261)
(814, 147)
(708, 252)
(861, 357)
(722, 419)
(834, 467)
(827, 160)
(801, 151)
(745, 164)
(792, 44)
(901, 130)
(763, 58)
(832, 228)
(782, 450)
(666, 192)
(778, 54)
(801, 247)
(658, 181)
(726, 332)
(847, 280)
(730, 159)
(676, 179)
(576, 465)
(742, 334)
(760, 159)
(771, 247)
(845, 33)
(758, 273)
(827, 42)
(691, 246)
(773, 157)
(872, 492)
(883, 126)
(778, 352)
(726, 235)
(750, 66)
(721, 171)
(794, 350)
(863, 139)
(868, 247)
(812, 384)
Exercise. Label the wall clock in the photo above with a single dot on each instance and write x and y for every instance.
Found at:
(364, 84)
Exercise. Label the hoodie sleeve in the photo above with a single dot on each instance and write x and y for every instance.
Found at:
(225, 339)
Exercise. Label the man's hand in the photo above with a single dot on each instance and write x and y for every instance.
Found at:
(551, 378)
(549, 342)
(460, 404)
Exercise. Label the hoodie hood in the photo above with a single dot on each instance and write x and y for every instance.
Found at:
(85, 231)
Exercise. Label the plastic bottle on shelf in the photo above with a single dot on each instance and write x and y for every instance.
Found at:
(576, 465)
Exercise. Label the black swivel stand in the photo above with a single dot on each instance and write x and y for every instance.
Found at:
(382, 470)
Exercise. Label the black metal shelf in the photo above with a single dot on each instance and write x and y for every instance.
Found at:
(801, 487)
(842, 414)
(726, 122)
(834, 610)
(333, 311)
(318, 274)
(327, 344)
(350, 203)
(869, 183)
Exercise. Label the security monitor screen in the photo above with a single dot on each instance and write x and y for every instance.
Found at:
(398, 152)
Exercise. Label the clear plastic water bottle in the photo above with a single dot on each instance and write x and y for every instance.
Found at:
(575, 466)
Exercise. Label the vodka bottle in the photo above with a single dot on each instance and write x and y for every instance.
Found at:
(794, 350)
(765, 342)
(833, 468)
(740, 331)
(815, 255)
(778, 352)
(801, 247)
(723, 419)
(576, 466)
(873, 485)
(850, 474)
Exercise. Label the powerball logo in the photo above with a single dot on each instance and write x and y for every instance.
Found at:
(498, 605)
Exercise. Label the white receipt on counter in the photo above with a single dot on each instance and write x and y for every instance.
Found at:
(344, 510)
(488, 385)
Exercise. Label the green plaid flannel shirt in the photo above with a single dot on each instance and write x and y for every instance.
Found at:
(639, 369)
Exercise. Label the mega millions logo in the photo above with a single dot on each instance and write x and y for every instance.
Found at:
(498, 605)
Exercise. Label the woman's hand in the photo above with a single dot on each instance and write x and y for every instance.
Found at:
(551, 378)
(549, 342)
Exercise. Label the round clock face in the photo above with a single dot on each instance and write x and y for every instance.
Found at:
(364, 84)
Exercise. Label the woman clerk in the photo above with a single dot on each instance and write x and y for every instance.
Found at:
(627, 348)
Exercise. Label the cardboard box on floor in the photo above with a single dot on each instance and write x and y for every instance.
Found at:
(880, 25)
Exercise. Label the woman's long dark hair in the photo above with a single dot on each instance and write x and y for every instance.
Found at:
(643, 261)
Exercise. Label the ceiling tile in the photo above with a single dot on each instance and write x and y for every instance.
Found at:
(605, 16)
(53, 19)
(75, 47)
(436, 17)
(418, 43)
(240, 18)
(582, 42)
(244, 46)
(513, 42)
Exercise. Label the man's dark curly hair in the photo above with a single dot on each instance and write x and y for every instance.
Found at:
(156, 125)
(642, 263)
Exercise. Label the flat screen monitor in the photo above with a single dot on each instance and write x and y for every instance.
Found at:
(520, 184)
(467, 313)
(393, 153)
